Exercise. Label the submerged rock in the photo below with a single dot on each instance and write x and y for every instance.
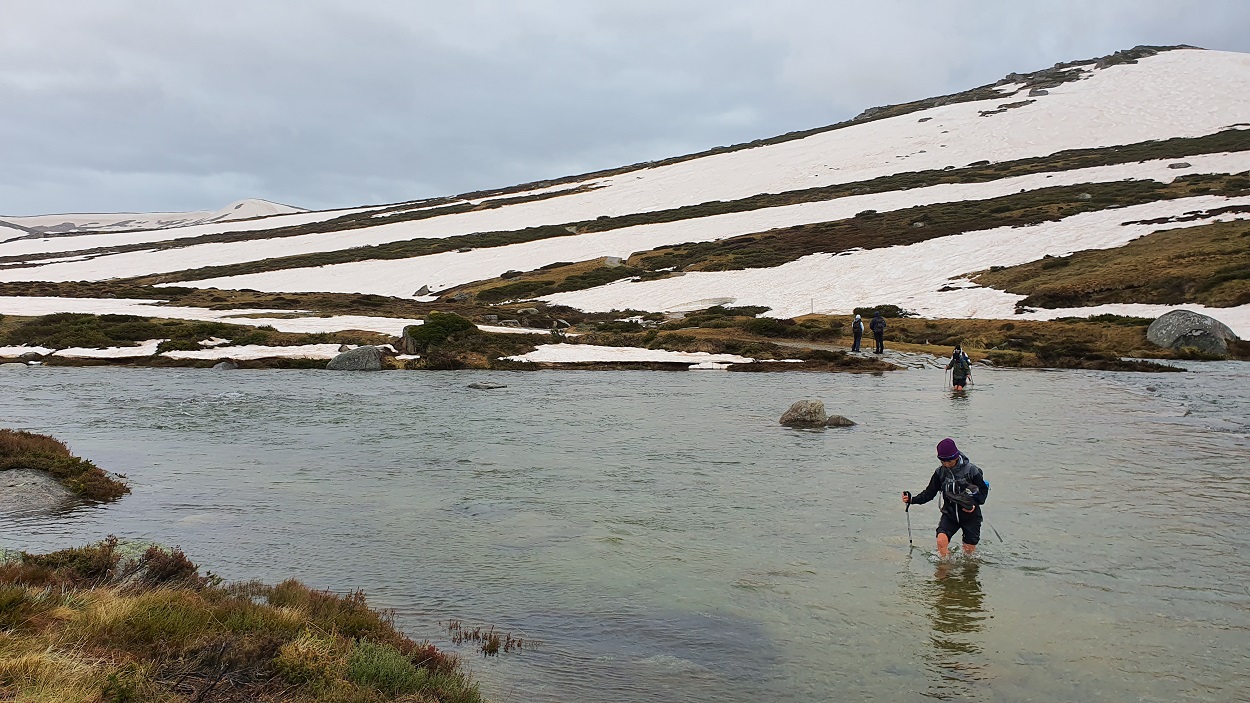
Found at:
(805, 413)
(486, 385)
(839, 421)
(1182, 328)
(366, 358)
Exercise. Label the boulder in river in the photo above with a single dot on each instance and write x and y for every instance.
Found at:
(805, 413)
(226, 365)
(1182, 328)
(839, 421)
(366, 358)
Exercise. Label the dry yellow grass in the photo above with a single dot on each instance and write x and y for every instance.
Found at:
(1209, 264)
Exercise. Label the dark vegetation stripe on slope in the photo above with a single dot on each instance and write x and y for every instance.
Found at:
(339, 224)
(1231, 140)
(867, 230)
(775, 247)
(1226, 141)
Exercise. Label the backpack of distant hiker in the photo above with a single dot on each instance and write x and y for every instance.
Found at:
(963, 365)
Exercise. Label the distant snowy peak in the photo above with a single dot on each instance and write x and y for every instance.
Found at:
(77, 223)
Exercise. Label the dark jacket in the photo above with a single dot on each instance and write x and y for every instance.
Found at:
(954, 484)
(961, 363)
(858, 328)
(877, 325)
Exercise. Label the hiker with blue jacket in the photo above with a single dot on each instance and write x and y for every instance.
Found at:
(964, 490)
(960, 367)
(878, 331)
(858, 328)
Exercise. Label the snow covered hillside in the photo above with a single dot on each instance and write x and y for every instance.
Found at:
(1087, 156)
(123, 221)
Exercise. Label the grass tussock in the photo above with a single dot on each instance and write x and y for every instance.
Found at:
(27, 450)
(1208, 264)
(91, 625)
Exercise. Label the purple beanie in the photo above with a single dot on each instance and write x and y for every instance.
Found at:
(947, 449)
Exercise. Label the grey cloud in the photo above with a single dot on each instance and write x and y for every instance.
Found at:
(146, 105)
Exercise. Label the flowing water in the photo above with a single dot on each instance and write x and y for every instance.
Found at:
(666, 540)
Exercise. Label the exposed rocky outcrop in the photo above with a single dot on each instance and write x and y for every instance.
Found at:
(366, 358)
(805, 413)
(1182, 328)
(31, 492)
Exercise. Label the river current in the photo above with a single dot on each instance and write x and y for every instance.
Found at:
(664, 539)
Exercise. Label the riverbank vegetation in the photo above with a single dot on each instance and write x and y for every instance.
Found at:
(93, 625)
(27, 450)
(66, 329)
(820, 341)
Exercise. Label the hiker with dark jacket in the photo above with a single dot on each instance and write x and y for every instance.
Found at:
(878, 331)
(964, 490)
(858, 329)
(961, 368)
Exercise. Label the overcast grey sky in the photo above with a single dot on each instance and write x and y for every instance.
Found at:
(150, 105)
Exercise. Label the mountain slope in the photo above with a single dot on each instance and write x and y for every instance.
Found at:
(1173, 122)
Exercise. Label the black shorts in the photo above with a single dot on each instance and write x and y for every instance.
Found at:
(959, 380)
(970, 523)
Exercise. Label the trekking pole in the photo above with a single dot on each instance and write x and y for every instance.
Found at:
(1000, 537)
(907, 511)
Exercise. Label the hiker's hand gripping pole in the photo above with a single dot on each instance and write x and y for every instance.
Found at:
(907, 510)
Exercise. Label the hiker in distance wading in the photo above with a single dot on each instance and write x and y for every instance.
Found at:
(878, 331)
(960, 367)
(857, 327)
(964, 490)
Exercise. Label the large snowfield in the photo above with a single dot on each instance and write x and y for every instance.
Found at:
(1179, 93)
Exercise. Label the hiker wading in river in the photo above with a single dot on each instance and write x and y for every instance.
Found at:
(961, 368)
(964, 490)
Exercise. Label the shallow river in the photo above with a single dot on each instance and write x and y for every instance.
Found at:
(666, 540)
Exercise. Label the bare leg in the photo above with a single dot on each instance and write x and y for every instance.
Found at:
(943, 545)
(970, 548)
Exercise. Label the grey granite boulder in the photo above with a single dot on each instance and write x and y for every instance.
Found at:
(805, 413)
(366, 358)
(226, 365)
(1182, 328)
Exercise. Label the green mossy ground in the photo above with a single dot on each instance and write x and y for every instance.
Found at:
(87, 625)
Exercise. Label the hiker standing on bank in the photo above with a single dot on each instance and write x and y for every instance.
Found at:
(858, 328)
(964, 490)
(960, 367)
(878, 331)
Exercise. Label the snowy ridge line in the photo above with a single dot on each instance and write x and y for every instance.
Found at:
(1044, 78)
(19, 246)
(73, 224)
(911, 276)
(402, 277)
